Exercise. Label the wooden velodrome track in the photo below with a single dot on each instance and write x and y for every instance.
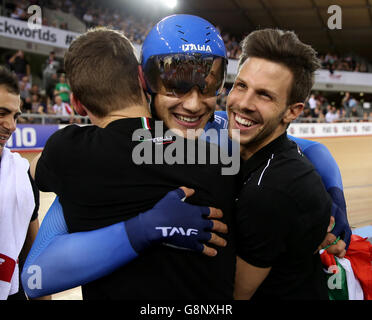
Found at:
(354, 157)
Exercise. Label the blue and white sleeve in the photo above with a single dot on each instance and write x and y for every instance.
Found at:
(55, 261)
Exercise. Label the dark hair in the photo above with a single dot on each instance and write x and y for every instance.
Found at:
(9, 80)
(284, 47)
(102, 70)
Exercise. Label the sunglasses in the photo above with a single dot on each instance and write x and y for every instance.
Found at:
(177, 74)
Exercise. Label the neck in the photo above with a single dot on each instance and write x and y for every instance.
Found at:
(246, 152)
(135, 111)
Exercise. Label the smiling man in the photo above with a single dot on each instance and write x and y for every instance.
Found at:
(183, 80)
(266, 84)
(19, 197)
(276, 238)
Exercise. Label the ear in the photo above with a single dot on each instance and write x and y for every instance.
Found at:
(141, 78)
(78, 106)
(293, 111)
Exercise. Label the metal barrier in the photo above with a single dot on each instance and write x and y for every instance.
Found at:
(37, 118)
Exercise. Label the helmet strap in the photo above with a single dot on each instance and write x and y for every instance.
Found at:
(152, 107)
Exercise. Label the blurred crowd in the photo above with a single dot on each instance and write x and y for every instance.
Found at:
(52, 96)
(51, 99)
(98, 13)
(333, 62)
(319, 109)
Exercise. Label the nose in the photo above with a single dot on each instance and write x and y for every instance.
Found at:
(247, 101)
(10, 123)
(192, 101)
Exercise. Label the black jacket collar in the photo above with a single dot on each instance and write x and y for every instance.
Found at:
(279, 145)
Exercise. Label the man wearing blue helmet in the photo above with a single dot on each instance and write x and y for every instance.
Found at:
(184, 64)
(184, 80)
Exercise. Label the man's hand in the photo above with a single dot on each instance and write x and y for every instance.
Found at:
(217, 226)
(178, 224)
(334, 245)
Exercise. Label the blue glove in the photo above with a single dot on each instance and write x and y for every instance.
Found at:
(172, 222)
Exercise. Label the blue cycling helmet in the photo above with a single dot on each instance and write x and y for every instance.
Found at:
(182, 51)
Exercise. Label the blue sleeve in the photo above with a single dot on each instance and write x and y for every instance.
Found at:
(321, 158)
(56, 259)
(327, 168)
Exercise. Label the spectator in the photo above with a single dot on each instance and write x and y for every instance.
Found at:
(318, 115)
(306, 115)
(24, 87)
(27, 105)
(35, 103)
(88, 18)
(345, 100)
(34, 89)
(36, 108)
(45, 21)
(18, 13)
(348, 102)
(352, 102)
(366, 108)
(19, 64)
(342, 114)
(312, 104)
(64, 110)
(355, 114)
(366, 116)
(50, 69)
(63, 26)
(63, 89)
(332, 115)
(26, 82)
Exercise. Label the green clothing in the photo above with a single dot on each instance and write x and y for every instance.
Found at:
(65, 95)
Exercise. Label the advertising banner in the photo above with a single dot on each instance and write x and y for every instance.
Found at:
(17, 29)
(30, 137)
(309, 130)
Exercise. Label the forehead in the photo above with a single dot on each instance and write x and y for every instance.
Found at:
(264, 74)
(9, 101)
